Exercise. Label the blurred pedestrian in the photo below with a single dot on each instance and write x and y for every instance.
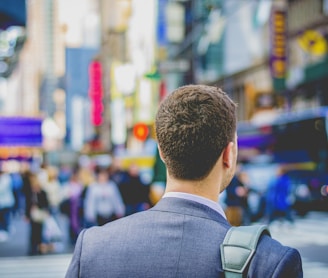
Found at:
(181, 235)
(42, 173)
(134, 191)
(103, 202)
(52, 187)
(279, 198)
(236, 201)
(72, 203)
(7, 202)
(116, 172)
(37, 210)
(86, 177)
(26, 173)
(17, 186)
(64, 173)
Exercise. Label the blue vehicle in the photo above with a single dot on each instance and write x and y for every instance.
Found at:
(296, 140)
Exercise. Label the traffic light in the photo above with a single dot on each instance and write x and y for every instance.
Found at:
(140, 131)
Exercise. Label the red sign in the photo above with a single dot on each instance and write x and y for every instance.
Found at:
(140, 131)
(96, 93)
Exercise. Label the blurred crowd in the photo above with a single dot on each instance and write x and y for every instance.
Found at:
(87, 195)
(274, 203)
(91, 195)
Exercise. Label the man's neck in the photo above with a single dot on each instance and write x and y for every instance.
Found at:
(203, 188)
(208, 187)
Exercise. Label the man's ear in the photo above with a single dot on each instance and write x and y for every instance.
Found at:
(160, 154)
(228, 155)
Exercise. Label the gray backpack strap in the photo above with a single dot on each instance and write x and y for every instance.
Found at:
(238, 248)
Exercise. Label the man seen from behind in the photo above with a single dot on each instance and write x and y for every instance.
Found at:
(181, 235)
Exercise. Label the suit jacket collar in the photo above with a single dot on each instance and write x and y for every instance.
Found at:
(188, 207)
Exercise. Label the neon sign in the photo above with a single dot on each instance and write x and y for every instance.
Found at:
(96, 93)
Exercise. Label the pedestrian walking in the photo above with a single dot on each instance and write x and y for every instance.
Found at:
(37, 211)
(279, 198)
(134, 191)
(236, 201)
(103, 201)
(72, 204)
(52, 187)
(7, 202)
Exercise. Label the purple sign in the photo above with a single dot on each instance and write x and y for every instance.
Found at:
(20, 131)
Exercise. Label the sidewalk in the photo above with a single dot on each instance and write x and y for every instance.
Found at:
(16, 244)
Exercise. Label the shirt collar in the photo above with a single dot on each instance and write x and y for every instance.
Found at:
(207, 202)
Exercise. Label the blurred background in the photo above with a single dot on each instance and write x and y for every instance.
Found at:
(80, 83)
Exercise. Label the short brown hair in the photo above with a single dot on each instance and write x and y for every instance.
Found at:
(193, 126)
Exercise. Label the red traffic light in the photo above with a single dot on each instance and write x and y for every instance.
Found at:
(140, 131)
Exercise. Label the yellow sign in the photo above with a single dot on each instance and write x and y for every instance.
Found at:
(278, 56)
(313, 42)
(141, 161)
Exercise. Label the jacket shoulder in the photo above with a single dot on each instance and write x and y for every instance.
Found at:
(272, 259)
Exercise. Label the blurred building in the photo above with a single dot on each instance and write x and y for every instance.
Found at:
(97, 75)
(268, 55)
(307, 41)
(224, 43)
(20, 136)
(129, 59)
(37, 85)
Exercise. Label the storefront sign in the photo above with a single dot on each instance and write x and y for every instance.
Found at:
(278, 48)
(278, 45)
(313, 42)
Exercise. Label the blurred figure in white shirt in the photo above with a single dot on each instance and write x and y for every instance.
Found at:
(103, 202)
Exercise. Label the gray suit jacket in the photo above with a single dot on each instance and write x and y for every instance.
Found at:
(175, 238)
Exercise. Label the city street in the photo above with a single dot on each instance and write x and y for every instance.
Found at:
(48, 266)
(309, 235)
(17, 243)
(95, 86)
(15, 263)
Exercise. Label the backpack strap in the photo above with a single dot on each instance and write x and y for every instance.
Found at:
(238, 248)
